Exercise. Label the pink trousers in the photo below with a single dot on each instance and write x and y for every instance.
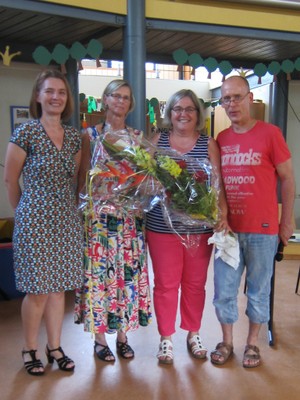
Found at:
(175, 267)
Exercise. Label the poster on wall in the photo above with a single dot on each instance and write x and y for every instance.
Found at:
(18, 115)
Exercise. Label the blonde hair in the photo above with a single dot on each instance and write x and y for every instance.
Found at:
(115, 85)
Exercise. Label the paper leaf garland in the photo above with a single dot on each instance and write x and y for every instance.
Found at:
(287, 66)
(195, 60)
(180, 56)
(42, 56)
(274, 69)
(60, 55)
(297, 64)
(225, 68)
(211, 64)
(94, 49)
(78, 52)
(260, 70)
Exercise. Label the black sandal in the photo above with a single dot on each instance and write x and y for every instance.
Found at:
(34, 363)
(104, 353)
(123, 349)
(62, 362)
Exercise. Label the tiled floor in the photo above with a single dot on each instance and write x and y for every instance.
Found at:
(277, 378)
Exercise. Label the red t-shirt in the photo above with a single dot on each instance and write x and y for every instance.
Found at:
(249, 163)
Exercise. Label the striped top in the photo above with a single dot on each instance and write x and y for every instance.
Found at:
(154, 219)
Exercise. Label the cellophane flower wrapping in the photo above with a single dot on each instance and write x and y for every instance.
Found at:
(129, 172)
(120, 177)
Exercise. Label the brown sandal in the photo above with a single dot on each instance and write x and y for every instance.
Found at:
(251, 360)
(220, 352)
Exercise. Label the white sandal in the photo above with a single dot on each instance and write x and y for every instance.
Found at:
(165, 353)
(196, 348)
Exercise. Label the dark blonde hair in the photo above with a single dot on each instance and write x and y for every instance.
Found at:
(115, 85)
(35, 107)
(178, 96)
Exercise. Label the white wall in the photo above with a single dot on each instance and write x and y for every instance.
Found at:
(293, 139)
(162, 89)
(16, 83)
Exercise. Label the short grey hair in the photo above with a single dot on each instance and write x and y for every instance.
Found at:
(178, 96)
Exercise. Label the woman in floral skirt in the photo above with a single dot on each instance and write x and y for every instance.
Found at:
(115, 295)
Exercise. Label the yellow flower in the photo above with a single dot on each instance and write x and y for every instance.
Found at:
(169, 165)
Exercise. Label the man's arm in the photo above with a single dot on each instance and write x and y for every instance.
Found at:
(287, 182)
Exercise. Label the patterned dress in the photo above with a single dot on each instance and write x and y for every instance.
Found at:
(48, 237)
(115, 295)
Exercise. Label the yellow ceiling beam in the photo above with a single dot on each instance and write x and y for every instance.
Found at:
(221, 13)
(113, 6)
(237, 14)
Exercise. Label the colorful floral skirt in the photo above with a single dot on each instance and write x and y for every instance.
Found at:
(115, 294)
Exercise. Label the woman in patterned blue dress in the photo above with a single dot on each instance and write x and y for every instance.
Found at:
(47, 238)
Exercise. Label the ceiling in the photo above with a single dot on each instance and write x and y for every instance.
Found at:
(25, 30)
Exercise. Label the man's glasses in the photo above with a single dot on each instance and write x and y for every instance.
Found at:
(180, 110)
(119, 97)
(237, 98)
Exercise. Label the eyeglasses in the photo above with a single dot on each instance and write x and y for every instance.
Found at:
(119, 97)
(188, 110)
(237, 98)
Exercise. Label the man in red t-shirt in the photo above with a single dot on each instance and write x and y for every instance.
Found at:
(253, 156)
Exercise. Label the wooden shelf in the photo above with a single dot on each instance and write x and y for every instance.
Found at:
(292, 251)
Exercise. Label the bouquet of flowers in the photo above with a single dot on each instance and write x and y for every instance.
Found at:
(130, 172)
(114, 182)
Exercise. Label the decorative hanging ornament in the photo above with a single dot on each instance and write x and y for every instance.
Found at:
(225, 68)
(260, 70)
(78, 52)
(243, 72)
(6, 57)
(60, 55)
(195, 60)
(297, 64)
(287, 66)
(92, 104)
(180, 56)
(42, 56)
(94, 49)
(211, 64)
(274, 69)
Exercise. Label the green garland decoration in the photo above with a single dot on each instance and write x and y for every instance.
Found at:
(195, 60)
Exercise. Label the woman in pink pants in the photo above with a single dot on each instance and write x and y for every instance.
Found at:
(175, 266)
